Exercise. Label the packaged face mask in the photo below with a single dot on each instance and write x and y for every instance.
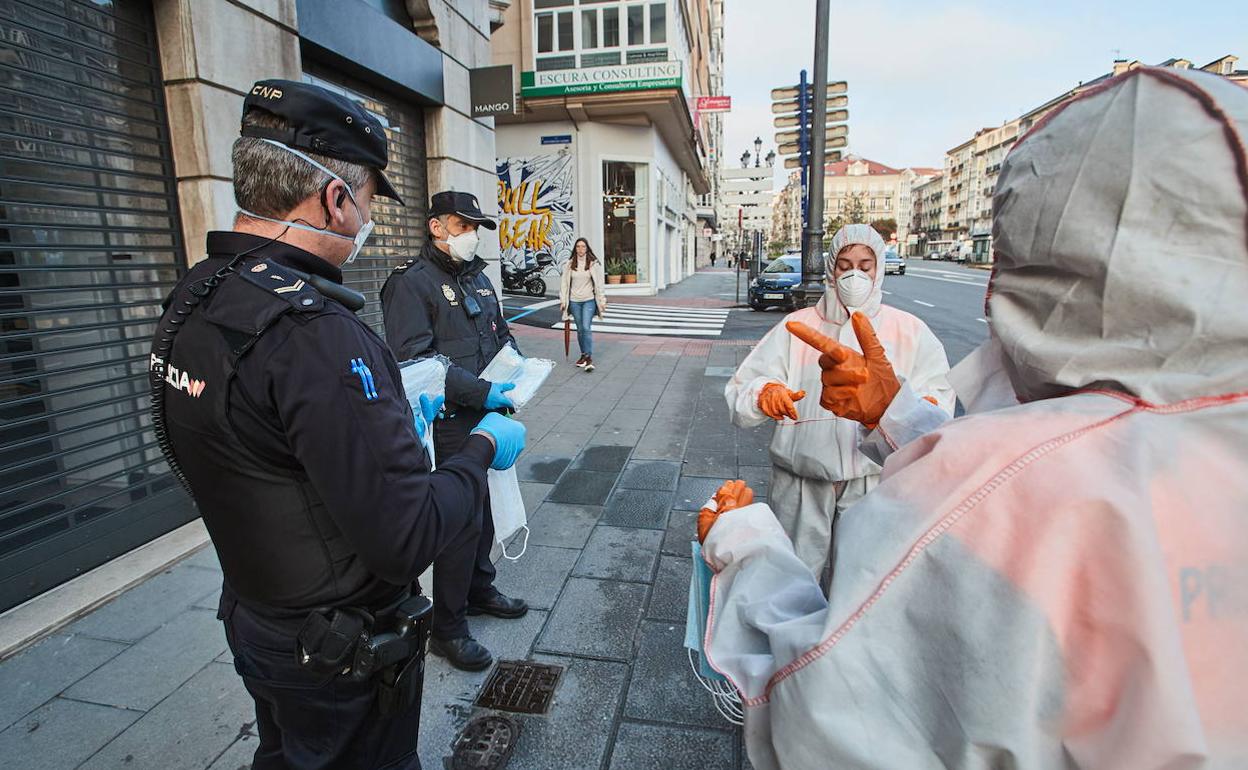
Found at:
(528, 374)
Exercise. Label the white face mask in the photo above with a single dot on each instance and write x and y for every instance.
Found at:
(853, 288)
(357, 240)
(463, 246)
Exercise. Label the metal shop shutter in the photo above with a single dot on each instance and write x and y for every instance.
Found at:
(89, 246)
(400, 230)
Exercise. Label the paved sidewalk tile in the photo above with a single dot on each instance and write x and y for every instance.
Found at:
(658, 747)
(663, 687)
(682, 527)
(620, 553)
(61, 734)
(145, 674)
(562, 525)
(542, 468)
(609, 458)
(651, 474)
(188, 730)
(583, 487)
(574, 735)
(239, 755)
(693, 491)
(716, 465)
(36, 674)
(143, 609)
(537, 577)
(205, 558)
(670, 598)
(596, 618)
(646, 508)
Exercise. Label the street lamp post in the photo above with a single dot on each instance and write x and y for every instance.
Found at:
(807, 292)
(758, 148)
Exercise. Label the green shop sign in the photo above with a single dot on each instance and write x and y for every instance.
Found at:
(596, 80)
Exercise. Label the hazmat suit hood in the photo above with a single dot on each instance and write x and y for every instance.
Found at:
(1121, 242)
(830, 306)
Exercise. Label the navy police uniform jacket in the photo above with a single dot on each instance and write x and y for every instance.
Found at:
(427, 312)
(288, 417)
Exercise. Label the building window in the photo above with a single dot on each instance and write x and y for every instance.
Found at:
(610, 27)
(565, 31)
(626, 218)
(636, 25)
(658, 23)
(589, 28)
(545, 32)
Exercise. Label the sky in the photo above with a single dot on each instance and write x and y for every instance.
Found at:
(924, 75)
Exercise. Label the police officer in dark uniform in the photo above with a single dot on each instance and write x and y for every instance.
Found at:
(285, 416)
(443, 303)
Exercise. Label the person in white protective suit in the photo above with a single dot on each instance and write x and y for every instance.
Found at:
(817, 469)
(1060, 578)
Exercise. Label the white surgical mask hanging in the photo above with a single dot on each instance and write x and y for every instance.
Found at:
(361, 236)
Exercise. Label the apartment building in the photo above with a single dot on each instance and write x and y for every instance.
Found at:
(604, 144)
(970, 173)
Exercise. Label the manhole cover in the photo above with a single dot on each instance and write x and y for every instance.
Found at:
(485, 743)
(521, 686)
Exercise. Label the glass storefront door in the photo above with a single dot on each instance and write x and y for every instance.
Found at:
(626, 219)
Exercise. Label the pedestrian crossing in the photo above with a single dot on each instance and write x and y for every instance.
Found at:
(660, 320)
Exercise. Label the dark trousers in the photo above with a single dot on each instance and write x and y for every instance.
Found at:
(308, 721)
(463, 570)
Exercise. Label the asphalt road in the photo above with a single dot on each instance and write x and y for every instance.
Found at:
(948, 297)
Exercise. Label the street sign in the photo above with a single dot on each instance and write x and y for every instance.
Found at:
(714, 104)
(791, 121)
(557, 139)
(831, 157)
(794, 148)
(790, 92)
(784, 137)
(491, 91)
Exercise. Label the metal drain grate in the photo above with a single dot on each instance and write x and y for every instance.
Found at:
(485, 743)
(521, 686)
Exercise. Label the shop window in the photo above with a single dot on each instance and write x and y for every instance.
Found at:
(626, 218)
(658, 23)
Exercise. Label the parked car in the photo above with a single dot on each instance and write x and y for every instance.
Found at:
(893, 263)
(774, 286)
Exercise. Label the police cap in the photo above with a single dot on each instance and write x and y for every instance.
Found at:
(461, 203)
(322, 122)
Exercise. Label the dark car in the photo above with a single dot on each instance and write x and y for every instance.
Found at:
(774, 286)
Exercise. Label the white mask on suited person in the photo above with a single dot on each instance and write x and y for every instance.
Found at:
(853, 288)
(463, 246)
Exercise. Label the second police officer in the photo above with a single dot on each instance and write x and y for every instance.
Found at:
(285, 416)
(443, 303)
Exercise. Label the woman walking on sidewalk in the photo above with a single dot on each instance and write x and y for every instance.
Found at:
(581, 297)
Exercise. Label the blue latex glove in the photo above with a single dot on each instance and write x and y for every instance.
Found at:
(430, 410)
(508, 435)
(496, 399)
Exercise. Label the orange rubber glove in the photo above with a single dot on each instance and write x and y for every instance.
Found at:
(856, 386)
(733, 494)
(777, 401)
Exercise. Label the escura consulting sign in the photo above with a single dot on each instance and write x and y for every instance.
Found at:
(592, 80)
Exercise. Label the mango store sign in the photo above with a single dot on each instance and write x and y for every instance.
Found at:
(593, 80)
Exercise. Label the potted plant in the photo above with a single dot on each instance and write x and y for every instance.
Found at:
(628, 270)
(615, 272)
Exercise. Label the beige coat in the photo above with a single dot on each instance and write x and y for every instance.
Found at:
(565, 288)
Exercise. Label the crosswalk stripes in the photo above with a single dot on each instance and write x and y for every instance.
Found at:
(625, 318)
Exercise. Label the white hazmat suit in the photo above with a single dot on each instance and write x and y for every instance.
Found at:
(1060, 581)
(817, 468)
